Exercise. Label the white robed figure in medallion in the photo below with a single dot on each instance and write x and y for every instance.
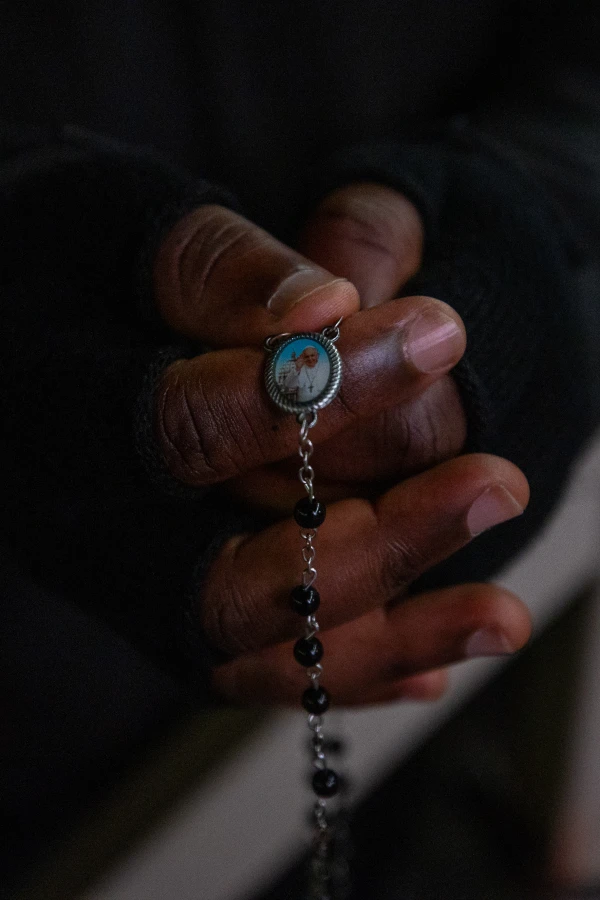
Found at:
(306, 376)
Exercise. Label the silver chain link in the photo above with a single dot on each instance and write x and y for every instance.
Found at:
(306, 448)
(315, 723)
(332, 332)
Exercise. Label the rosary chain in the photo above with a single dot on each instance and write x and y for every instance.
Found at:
(305, 451)
(323, 828)
(308, 650)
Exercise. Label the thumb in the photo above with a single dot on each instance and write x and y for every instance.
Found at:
(370, 234)
(221, 279)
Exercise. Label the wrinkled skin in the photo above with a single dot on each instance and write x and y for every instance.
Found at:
(401, 499)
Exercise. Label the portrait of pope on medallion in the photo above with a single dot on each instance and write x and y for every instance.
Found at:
(303, 371)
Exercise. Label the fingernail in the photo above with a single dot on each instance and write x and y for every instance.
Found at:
(303, 281)
(492, 507)
(435, 341)
(488, 642)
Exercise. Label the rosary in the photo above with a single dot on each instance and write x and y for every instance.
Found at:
(290, 394)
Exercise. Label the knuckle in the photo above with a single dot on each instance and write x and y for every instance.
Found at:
(229, 612)
(360, 226)
(219, 236)
(186, 430)
(226, 623)
(244, 434)
(228, 248)
(207, 432)
(402, 561)
(175, 269)
(433, 426)
(201, 254)
(376, 216)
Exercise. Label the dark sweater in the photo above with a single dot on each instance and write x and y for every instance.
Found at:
(484, 113)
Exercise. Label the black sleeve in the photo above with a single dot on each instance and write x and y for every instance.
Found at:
(79, 218)
(510, 197)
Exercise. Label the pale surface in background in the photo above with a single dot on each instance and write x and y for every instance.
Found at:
(234, 835)
(577, 846)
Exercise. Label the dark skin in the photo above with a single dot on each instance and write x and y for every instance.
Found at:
(224, 281)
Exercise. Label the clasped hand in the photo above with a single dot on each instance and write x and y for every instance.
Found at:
(400, 497)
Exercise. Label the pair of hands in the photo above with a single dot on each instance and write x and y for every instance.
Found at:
(397, 421)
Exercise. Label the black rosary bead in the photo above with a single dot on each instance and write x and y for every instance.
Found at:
(309, 513)
(308, 651)
(325, 783)
(315, 700)
(305, 600)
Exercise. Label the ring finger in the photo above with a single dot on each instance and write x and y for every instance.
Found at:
(367, 553)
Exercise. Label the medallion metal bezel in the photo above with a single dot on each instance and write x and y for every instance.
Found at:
(333, 382)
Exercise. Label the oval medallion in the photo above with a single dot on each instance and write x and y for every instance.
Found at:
(303, 372)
